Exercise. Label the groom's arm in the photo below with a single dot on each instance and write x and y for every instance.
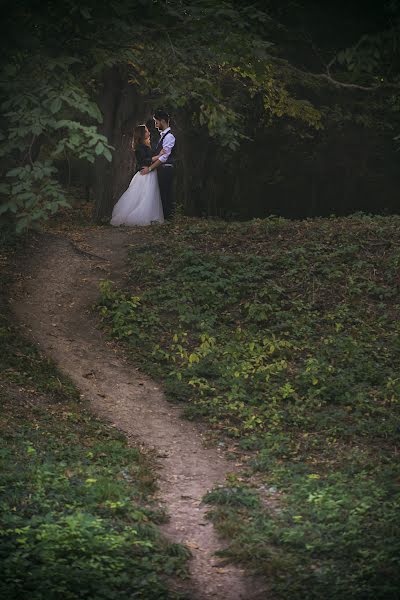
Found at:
(168, 144)
(154, 165)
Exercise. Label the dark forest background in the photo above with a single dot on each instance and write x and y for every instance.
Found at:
(351, 164)
(288, 108)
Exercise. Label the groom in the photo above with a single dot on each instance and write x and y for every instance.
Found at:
(164, 163)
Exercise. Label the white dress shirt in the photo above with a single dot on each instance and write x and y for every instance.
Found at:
(168, 142)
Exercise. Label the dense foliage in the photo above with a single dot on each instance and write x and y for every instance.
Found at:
(228, 70)
(284, 336)
(52, 76)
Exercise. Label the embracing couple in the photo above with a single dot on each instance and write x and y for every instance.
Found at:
(149, 195)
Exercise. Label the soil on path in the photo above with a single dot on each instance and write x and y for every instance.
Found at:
(53, 304)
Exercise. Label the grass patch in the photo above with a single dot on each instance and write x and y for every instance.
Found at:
(284, 336)
(78, 513)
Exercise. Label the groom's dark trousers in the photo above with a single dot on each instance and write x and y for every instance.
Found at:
(165, 182)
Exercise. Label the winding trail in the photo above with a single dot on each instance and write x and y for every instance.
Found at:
(52, 301)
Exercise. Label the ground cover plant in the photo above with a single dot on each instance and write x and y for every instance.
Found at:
(285, 337)
(78, 516)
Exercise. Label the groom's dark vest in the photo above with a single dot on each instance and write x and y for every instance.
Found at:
(159, 147)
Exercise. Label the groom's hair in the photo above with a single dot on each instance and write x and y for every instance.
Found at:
(161, 115)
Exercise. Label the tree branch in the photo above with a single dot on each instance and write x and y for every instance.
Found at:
(304, 75)
(328, 75)
(341, 84)
(30, 150)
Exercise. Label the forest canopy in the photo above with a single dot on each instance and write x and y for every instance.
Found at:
(227, 70)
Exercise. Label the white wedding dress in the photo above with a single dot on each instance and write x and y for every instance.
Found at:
(141, 203)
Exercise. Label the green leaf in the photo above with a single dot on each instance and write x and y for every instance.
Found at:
(17, 172)
(85, 13)
(55, 105)
(107, 154)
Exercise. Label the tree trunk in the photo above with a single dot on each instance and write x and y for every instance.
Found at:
(122, 109)
(193, 148)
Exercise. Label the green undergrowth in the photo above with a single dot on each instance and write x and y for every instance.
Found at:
(78, 516)
(285, 337)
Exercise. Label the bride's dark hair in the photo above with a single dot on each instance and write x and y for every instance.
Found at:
(139, 135)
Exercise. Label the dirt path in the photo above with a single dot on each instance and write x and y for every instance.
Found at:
(53, 304)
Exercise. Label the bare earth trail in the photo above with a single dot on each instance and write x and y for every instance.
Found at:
(53, 303)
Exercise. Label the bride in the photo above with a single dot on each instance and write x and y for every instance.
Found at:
(141, 203)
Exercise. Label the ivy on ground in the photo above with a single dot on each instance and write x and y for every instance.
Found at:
(284, 336)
